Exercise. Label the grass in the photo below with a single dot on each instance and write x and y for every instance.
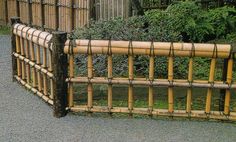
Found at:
(5, 30)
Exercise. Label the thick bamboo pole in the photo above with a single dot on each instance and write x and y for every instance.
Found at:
(159, 112)
(143, 48)
(209, 90)
(156, 82)
(189, 90)
(34, 35)
(228, 81)
(50, 70)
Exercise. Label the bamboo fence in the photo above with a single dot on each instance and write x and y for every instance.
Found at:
(44, 63)
(151, 49)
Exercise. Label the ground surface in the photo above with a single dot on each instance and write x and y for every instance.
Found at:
(26, 118)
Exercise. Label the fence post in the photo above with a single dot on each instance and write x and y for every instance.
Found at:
(29, 2)
(59, 64)
(6, 11)
(17, 8)
(42, 14)
(57, 15)
(14, 20)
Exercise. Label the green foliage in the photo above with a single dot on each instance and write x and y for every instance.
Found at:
(4, 30)
(183, 21)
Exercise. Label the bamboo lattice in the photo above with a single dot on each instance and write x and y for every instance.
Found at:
(34, 61)
(151, 49)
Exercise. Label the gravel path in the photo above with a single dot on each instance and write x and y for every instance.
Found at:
(26, 118)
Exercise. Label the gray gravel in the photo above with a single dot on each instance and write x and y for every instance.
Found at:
(26, 118)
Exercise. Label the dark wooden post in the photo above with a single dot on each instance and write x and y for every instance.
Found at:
(14, 20)
(42, 14)
(17, 8)
(92, 9)
(60, 71)
(6, 11)
(29, 2)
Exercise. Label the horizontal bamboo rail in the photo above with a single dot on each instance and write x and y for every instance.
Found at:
(159, 48)
(158, 112)
(155, 82)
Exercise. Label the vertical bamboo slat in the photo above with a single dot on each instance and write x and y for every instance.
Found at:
(170, 79)
(45, 84)
(131, 77)
(229, 81)
(38, 72)
(109, 65)
(22, 51)
(209, 90)
(71, 75)
(27, 55)
(189, 90)
(90, 75)
(18, 51)
(151, 78)
(32, 57)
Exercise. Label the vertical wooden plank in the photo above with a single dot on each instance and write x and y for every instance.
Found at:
(59, 62)
(29, 4)
(6, 10)
(56, 15)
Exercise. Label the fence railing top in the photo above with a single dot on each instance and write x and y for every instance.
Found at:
(146, 47)
(39, 37)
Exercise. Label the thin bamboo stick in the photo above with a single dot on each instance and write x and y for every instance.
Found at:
(32, 58)
(109, 66)
(170, 89)
(45, 83)
(50, 70)
(38, 72)
(23, 54)
(131, 77)
(71, 75)
(151, 78)
(189, 90)
(90, 86)
(229, 81)
(209, 90)
(17, 59)
(28, 77)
